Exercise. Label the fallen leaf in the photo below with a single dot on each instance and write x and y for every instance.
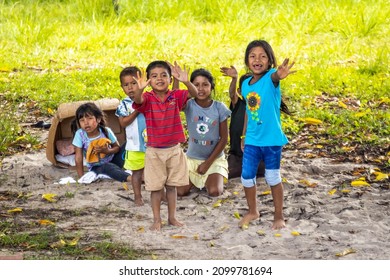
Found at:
(380, 176)
(154, 257)
(332, 191)
(345, 190)
(211, 244)
(217, 204)
(141, 229)
(125, 186)
(343, 105)
(237, 215)
(245, 226)
(311, 121)
(59, 244)
(295, 233)
(359, 183)
(49, 197)
(277, 235)
(308, 184)
(260, 232)
(15, 210)
(74, 241)
(196, 236)
(177, 236)
(266, 192)
(235, 193)
(346, 252)
(46, 222)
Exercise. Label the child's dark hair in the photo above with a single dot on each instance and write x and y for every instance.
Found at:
(243, 78)
(129, 71)
(158, 63)
(204, 73)
(267, 48)
(89, 109)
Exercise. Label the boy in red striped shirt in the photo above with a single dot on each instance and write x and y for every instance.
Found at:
(165, 161)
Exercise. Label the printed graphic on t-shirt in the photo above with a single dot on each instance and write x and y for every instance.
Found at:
(254, 103)
(202, 128)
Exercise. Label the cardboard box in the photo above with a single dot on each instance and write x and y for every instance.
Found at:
(60, 128)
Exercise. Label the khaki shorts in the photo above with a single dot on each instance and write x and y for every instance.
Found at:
(165, 167)
(219, 166)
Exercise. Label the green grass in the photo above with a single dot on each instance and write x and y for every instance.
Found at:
(61, 51)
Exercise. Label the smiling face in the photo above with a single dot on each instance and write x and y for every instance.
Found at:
(159, 79)
(203, 86)
(129, 85)
(258, 61)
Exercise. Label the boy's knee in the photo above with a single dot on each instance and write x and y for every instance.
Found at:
(272, 177)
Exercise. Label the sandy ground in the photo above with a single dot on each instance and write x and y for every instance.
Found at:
(320, 223)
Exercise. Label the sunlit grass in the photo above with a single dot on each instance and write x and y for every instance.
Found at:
(60, 51)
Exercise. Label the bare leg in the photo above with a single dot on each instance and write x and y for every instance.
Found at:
(172, 198)
(214, 184)
(136, 181)
(184, 190)
(253, 214)
(155, 199)
(277, 195)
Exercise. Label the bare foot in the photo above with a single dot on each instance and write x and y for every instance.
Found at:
(278, 224)
(248, 218)
(156, 226)
(138, 201)
(175, 222)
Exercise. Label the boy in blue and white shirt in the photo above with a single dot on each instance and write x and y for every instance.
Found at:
(135, 125)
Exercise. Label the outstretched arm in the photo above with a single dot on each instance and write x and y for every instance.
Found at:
(182, 76)
(231, 72)
(283, 71)
(142, 84)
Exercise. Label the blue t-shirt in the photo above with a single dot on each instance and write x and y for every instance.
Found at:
(81, 140)
(263, 110)
(136, 131)
(203, 127)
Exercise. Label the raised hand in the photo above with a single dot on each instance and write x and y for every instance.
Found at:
(142, 84)
(284, 69)
(178, 73)
(229, 71)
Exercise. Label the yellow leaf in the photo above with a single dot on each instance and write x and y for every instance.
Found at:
(277, 235)
(380, 176)
(245, 226)
(235, 193)
(359, 183)
(217, 204)
(196, 236)
(311, 121)
(74, 241)
(223, 228)
(177, 236)
(360, 114)
(58, 244)
(124, 185)
(211, 243)
(49, 197)
(260, 232)
(46, 222)
(345, 191)
(154, 257)
(308, 184)
(50, 111)
(295, 233)
(237, 215)
(343, 105)
(346, 252)
(332, 191)
(266, 192)
(141, 229)
(15, 210)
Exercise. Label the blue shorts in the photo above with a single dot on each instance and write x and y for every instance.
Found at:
(271, 155)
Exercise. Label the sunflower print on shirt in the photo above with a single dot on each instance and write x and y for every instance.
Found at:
(254, 101)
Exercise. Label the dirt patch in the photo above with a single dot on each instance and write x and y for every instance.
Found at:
(325, 214)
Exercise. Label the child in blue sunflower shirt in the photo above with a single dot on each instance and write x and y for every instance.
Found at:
(135, 125)
(262, 136)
